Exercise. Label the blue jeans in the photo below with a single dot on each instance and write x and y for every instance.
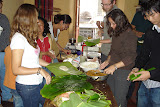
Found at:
(17, 100)
(55, 60)
(148, 97)
(30, 94)
(6, 92)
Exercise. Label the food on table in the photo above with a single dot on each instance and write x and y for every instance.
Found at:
(88, 98)
(55, 69)
(95, 73)
(73, 56)
(64, 68)
(91, 65)
(62, 84)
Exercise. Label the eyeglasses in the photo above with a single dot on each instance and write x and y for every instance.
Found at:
(105, 4)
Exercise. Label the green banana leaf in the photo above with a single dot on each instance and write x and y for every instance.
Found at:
(88, 99)
(133, 77)
(62, 84)
(55, 69)
(92, 42)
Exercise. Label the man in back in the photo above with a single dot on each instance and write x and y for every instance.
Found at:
(108, 6)
(4, 41)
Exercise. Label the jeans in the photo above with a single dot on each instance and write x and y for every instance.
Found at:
(17, 100)
(148, 97)
(55, 60)
(6, 92)
(30, 94)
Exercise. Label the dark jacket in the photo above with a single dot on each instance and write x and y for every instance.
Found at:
(4, 36)
(150, 54)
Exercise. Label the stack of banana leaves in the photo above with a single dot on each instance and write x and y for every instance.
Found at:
(70, 79)
(88, 42)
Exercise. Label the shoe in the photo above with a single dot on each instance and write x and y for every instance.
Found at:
(1, 105)
(10, 100)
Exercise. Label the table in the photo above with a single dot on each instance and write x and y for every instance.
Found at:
(104, 87)
(100, 85)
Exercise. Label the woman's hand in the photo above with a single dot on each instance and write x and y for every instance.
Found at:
(52, 56)
(67, 51)
(104, 64)
(110, 70)
(134, 70)
(46, 75)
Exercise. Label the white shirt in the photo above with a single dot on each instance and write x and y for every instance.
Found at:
(30, 59)
(51, 30)
(56, 38)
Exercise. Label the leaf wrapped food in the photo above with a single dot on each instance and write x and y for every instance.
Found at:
(64, 84)
(56, 69)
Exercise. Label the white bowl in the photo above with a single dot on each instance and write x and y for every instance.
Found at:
(93, 54)
(86, 66)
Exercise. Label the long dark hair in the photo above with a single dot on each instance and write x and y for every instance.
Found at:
(65, 18)
(46, 26)
(121, 21)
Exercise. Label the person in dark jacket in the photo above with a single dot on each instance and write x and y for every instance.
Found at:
(149, 91)
(4, 41)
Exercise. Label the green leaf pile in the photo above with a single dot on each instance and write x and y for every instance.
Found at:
(89, 98)
(55, 69)
(60, 85)
(133, 77)
(92, 42)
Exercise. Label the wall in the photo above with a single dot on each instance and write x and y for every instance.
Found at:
(128, 7)
(29, 1)
(10, 7)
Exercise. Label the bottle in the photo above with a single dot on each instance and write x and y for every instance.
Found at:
(84, 50)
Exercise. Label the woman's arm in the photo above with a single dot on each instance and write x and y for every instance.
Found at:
(16, 64)
(106, 41)
(43, 62)
(106, 62)
(112, 68)
(17, 69)
(62, 49)
(52, 56)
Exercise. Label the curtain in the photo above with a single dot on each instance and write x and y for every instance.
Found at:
(45, 8)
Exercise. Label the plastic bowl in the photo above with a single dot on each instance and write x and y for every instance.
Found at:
(86, 66)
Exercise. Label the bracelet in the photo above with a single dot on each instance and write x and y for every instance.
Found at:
(115, 67)
(39, 69)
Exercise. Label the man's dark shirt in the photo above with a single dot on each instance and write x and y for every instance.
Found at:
(150, 54)
(4, 36)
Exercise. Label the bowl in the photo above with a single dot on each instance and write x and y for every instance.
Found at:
(93, 54)
(86, 66)
(97, 77)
